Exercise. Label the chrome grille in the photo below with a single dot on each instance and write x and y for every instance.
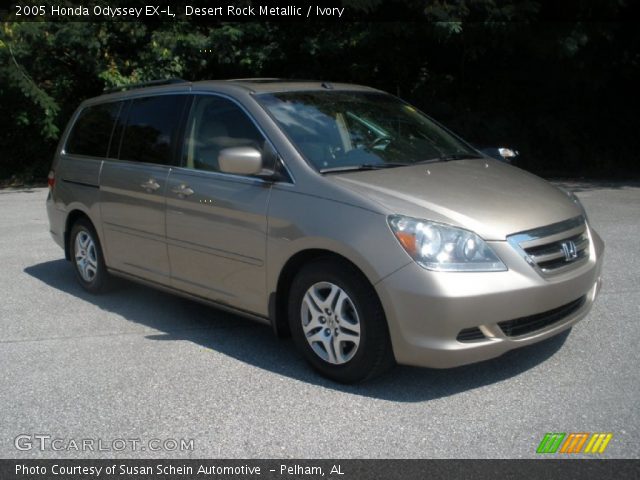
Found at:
(555, 248)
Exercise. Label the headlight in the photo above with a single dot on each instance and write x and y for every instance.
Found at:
(443, 248)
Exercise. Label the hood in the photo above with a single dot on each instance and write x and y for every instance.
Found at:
(487, 196)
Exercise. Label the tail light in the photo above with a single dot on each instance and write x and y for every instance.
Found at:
(51, 179)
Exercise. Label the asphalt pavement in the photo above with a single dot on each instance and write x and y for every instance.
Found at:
(137, 366)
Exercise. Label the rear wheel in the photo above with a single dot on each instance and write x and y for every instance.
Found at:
(87, 257)
(337, 322)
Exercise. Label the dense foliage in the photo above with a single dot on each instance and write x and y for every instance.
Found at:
(562, 93)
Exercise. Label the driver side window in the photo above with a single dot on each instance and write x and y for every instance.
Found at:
(216, 123)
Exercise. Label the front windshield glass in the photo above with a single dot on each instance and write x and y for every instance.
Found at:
(343, 130)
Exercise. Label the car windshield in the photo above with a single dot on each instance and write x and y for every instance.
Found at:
(346, 130)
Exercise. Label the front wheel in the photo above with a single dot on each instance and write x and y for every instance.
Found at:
(87, 258)
(337, 322)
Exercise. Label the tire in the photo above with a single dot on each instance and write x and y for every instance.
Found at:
(87, 257)
(350, 344)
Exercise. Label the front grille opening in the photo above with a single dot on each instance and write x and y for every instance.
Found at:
(532, 323)
(549, 257)
(470, 335)
(554, 248)
(560, 262)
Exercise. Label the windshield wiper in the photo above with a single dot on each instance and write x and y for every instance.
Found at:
(451, 156)
(364, 166)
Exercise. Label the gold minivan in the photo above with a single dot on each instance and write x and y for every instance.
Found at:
(336, 213)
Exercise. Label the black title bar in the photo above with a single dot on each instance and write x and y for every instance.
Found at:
(315, 10)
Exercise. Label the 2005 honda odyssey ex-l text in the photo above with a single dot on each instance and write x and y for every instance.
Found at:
(336, 213)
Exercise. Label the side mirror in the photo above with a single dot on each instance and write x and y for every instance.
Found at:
(240, 161)
(503, 154)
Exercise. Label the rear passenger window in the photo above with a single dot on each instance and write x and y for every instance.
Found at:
(152, 129)
(216, 123)
(92, 131)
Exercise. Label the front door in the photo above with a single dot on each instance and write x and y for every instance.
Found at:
(216, 222)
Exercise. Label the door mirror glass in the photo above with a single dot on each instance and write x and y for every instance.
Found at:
(240, 161)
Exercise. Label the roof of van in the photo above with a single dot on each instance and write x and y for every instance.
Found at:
(247, 85)
(260, 85)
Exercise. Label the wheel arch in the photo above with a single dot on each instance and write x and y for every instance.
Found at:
(73, 216)
(278, 299)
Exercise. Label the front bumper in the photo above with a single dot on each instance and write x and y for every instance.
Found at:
(427, 310)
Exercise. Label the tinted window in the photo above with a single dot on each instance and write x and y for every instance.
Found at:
(152, 128)
(92, 131)
(216, 123)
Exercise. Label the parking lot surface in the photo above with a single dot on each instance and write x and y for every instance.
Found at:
(138, 365)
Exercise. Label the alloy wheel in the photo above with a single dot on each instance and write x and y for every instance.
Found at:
(330, 323)
(86, 256)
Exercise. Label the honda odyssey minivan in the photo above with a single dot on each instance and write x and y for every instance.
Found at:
(338, 214)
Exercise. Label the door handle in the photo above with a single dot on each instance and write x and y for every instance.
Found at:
(183, 191)
(150, 185)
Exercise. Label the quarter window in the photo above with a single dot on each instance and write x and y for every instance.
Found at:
(216, 123)
(152, 129)
(92, 131)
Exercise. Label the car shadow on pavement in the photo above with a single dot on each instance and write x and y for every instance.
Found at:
(180, 319)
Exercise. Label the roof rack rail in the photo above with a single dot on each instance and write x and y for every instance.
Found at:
(151, 83)
(256, 79)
